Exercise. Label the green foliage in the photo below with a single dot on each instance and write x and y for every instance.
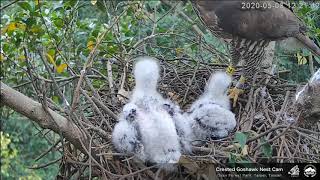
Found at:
(7, 153)
(241, 138)
(239, 149)
(266, 148)
(20, 146)
(297, 62)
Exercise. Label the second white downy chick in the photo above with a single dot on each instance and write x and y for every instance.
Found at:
(210, 114)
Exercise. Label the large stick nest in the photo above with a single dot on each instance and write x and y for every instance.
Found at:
(271, 134)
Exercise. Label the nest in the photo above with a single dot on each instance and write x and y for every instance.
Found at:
(265, 132)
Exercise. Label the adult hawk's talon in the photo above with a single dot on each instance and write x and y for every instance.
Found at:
(230, 70)
(234, 94)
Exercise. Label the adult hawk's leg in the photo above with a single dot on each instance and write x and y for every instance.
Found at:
(252, 53)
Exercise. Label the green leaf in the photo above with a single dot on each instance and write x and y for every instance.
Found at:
(96, 31)
(70, 3)
(130, 11)
(317, 59)
(232, 158)
(22, 63)
(37, 29)
(93, 2)
(241, 138)
(301, 59)
(194, 47)
(56, 99)
(61, 67)
(58, 22)
(266, 148)
(109, 36)
(6, 47)
(305, 52)
(26, 6)
(245, 162)
(30, 22)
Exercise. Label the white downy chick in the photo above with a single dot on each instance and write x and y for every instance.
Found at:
(183, 125)
(154, 128)
(148, 71)
(210, 114)
(126, 134)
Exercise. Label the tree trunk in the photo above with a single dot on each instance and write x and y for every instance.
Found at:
(35, 112)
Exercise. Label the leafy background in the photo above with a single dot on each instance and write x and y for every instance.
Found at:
(67, 30)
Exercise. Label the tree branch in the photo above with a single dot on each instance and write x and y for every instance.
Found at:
(35, 112)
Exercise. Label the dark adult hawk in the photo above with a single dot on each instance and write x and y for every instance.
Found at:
(249, 26)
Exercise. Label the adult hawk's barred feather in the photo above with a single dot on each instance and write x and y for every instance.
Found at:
(231, 20)
(249, 30)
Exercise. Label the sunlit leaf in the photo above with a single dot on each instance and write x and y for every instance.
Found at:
(58, 22)
(22, 63)
(51, 52)
(21, 58)
(21, 26)
(179, 51)
(56, 99)
(90, 45)
(301, 59)
(61, 68)
(70, 3)
(93, 2)
(36, 2)
(1, 57)
(36, 29)
(11, 27)
(50, 59)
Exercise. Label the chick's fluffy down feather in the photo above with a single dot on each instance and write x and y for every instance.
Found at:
(160, 138)
(151, 124)
(210, 114)
(126, 135)
(183, 125)
(213, 121)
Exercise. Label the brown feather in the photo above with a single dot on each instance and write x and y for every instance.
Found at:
(254, 24)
